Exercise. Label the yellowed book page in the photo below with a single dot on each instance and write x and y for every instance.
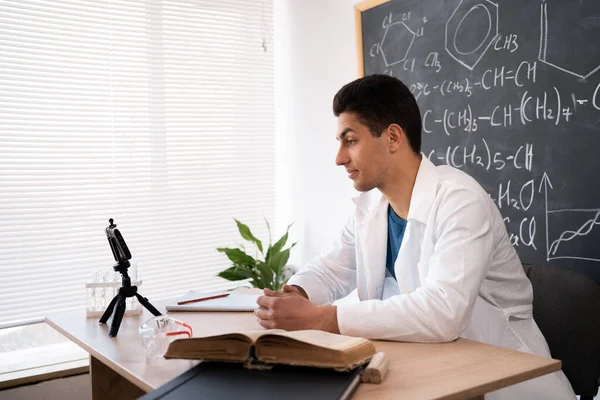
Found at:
(255, 334)
(233, 346)
(314, 348)
(322, 339)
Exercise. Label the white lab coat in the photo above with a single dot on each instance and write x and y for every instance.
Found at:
(457, 275)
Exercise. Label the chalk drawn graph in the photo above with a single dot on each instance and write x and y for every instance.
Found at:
(569, 235)
(591, 217)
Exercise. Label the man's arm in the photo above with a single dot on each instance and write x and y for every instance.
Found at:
(326, 278)
(290, 309)
(331, 275)
(301, 291)
(440, 309)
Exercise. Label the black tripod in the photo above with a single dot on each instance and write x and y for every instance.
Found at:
(118, 304)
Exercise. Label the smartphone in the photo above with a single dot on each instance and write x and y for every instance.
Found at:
(117, 243)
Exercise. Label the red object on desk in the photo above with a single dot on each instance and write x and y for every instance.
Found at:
(216, 296)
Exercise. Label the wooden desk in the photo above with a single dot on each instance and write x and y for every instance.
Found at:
(463, 369)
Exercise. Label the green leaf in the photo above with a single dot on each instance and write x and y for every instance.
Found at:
(262, 274)
(280, 243)
(237, 256)
(280, 280)
(278, 260)
(269, 230)
(235, 273)
(257, 281)
(246, 234)
(266, 273)
(278, 246)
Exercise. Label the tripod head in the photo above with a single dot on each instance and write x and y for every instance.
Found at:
(119, 248)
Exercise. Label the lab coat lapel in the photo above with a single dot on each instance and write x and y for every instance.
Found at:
(424, 191)
(410, 266)
(371, 233)
(372, 230)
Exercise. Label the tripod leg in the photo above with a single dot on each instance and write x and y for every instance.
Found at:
(109, 310)
(119, 312)
(144, 301)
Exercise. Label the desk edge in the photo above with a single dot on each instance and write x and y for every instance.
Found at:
(106, 361)
(489, 387)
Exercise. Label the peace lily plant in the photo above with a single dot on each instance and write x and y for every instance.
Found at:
(264, 269)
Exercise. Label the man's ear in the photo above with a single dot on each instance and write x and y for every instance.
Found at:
(396, 137)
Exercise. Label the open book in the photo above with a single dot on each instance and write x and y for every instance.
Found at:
(274, 346)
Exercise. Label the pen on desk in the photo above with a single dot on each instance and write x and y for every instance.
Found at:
(216, 296)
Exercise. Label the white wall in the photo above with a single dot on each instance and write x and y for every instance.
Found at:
(315, 57)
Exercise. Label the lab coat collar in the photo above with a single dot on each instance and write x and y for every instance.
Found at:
(369, 203)
(424, 190)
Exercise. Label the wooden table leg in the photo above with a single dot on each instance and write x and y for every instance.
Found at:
(107, 384)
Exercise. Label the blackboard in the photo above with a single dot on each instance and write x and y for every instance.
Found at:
(509, 92)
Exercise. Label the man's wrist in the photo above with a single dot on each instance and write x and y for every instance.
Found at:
(328, 319)
(302, 291)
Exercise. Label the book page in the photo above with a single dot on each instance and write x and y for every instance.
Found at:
(255, 334)
(308, 347)
(233, 346)
(323, 339)
(312, 337)
(313, 348)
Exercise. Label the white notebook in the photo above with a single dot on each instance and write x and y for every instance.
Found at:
(233, 302)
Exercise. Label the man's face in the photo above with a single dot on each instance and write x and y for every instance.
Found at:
(360, 153)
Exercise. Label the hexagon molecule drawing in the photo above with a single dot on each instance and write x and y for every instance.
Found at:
(395, 51)
(568, 34)
(471, 30)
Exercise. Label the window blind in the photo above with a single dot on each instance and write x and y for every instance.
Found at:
(159, 114)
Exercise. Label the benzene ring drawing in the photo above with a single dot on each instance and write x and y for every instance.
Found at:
(400, 39)
(471, 30)
(568, 51)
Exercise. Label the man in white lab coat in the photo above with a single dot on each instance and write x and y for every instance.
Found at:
(426, 248)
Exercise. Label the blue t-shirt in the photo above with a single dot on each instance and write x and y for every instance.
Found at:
(396, 228)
